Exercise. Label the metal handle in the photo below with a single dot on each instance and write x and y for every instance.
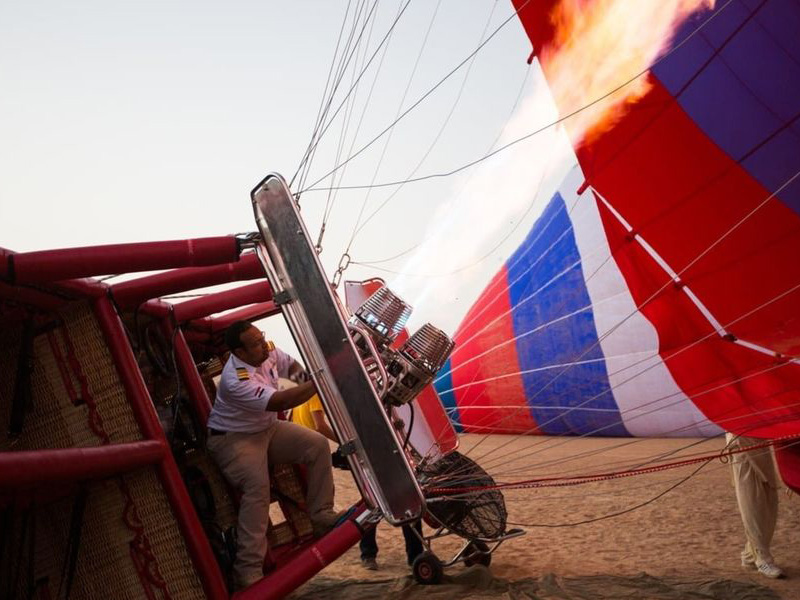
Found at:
(373, 350)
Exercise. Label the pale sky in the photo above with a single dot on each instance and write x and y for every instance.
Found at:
(137, 121)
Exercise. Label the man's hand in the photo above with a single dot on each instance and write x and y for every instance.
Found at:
(299, 376)
(297, 373)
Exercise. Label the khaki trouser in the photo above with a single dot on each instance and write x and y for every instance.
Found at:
(244, 459)
(756, 486)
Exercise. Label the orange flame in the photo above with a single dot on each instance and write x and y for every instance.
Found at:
(601, 44)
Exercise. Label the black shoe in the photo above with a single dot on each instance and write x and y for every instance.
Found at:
(339, 460)
(370, 564)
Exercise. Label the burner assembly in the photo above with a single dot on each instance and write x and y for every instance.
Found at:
(399, 375)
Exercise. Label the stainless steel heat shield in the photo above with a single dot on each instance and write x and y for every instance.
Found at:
(319, 327)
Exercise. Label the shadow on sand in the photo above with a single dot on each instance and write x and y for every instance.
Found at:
(477, 583)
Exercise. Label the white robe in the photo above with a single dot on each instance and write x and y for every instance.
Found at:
(756, 484)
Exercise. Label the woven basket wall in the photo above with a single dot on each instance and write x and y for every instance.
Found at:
(223, 502)
(55, 421)
(286, 480)
(105, 567)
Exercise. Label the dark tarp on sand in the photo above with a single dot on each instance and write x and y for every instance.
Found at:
(477, 583)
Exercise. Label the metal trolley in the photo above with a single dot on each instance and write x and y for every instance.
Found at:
(478, 515)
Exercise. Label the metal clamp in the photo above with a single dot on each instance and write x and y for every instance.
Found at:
(247, 240)
(284, 297)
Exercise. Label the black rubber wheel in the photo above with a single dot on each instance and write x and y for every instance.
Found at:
(477, 553)
(427, 569)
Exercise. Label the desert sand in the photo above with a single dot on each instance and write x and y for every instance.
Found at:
(685, 544)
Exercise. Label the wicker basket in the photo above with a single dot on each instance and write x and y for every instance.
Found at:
(74, 381)
(59, 416)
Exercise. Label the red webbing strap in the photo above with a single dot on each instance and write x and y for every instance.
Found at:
(141, 552)
(62, 369)
(581, 479)
(95, 420)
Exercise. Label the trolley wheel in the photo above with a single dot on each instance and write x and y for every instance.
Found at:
(427, 569)
(477, 553)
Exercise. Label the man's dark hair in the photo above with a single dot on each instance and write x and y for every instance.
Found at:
(233, 334)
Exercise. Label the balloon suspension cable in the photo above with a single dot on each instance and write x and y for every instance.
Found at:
(350, 104)
(318, 245)
(322, 115)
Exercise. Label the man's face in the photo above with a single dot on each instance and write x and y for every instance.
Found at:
(254, 350)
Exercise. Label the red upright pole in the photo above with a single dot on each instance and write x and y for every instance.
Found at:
(193, 534)
(128, 369)
(190, 377)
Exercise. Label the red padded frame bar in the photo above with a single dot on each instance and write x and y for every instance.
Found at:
(129, 294)
(254, 312)
(63, 465)
(29, 297)
(71, 263)
(303, 566)
(253, 293)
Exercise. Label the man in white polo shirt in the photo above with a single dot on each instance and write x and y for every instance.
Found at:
(245, 436)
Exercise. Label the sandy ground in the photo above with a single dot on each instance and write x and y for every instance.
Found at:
(691, 533)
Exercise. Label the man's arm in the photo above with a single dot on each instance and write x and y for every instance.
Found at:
(291, 397)
(321, 425)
